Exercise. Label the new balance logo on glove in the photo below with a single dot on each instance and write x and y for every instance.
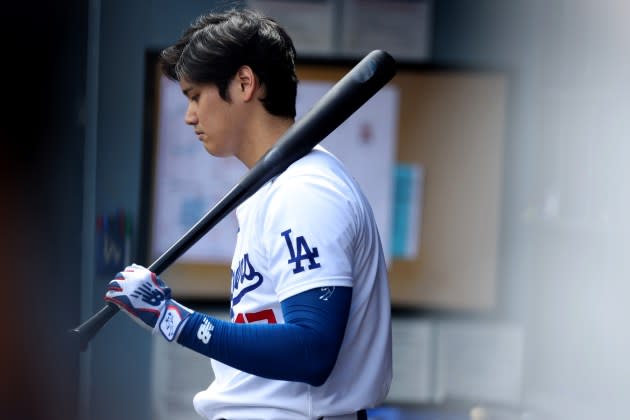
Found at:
(146, 298)
(149, 294)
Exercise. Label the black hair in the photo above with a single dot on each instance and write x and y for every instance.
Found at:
(216, 45)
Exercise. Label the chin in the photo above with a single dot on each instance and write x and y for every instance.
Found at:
(216, 152)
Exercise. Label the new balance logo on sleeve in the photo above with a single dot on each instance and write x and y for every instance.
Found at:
(205, 331)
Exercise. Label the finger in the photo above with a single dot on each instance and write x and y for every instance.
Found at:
(123, 303)
(156, 280)
(114, 286)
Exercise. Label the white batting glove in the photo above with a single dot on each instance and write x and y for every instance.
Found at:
(147, 300)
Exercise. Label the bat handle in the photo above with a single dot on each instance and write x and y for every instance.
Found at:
(87, 330)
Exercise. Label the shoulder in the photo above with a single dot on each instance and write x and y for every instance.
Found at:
(318, 178)
(319, 165)
(317, 185)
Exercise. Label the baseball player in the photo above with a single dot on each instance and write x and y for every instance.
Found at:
(310, 330)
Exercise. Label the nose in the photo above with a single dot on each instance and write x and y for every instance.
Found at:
(191, 116)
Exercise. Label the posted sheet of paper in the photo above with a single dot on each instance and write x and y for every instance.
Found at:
(407, 223)
(310, 23)
(401, 27)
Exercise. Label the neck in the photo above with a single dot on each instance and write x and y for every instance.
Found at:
(261, 137)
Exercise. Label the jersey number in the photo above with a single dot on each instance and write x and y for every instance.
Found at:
(301, 252)
(261, 316)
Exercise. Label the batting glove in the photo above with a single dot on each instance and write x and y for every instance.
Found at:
(147, 300)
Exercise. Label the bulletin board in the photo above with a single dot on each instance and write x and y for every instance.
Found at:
(449, 123)
(452, 126)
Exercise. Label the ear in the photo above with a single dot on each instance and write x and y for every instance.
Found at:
(246, 83)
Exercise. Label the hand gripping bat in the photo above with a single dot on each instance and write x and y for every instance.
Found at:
(346, 96)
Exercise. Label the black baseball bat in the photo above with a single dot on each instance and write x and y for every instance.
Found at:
(362, 82)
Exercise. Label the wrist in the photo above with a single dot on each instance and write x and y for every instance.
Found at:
(172, 319)
(198, 332)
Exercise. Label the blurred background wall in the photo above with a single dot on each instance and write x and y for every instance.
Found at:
(564, 272)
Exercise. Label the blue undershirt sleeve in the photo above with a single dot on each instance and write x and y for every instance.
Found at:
(303, 349)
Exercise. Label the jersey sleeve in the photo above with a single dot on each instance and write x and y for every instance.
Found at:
(309, 226)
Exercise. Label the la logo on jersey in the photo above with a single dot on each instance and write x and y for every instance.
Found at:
(300, 252)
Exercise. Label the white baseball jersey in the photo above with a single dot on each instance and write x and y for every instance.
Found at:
(310, 227)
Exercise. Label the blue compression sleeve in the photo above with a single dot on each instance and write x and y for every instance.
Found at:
(302, 349)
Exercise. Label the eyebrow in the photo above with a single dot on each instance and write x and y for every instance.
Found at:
(186, 91)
